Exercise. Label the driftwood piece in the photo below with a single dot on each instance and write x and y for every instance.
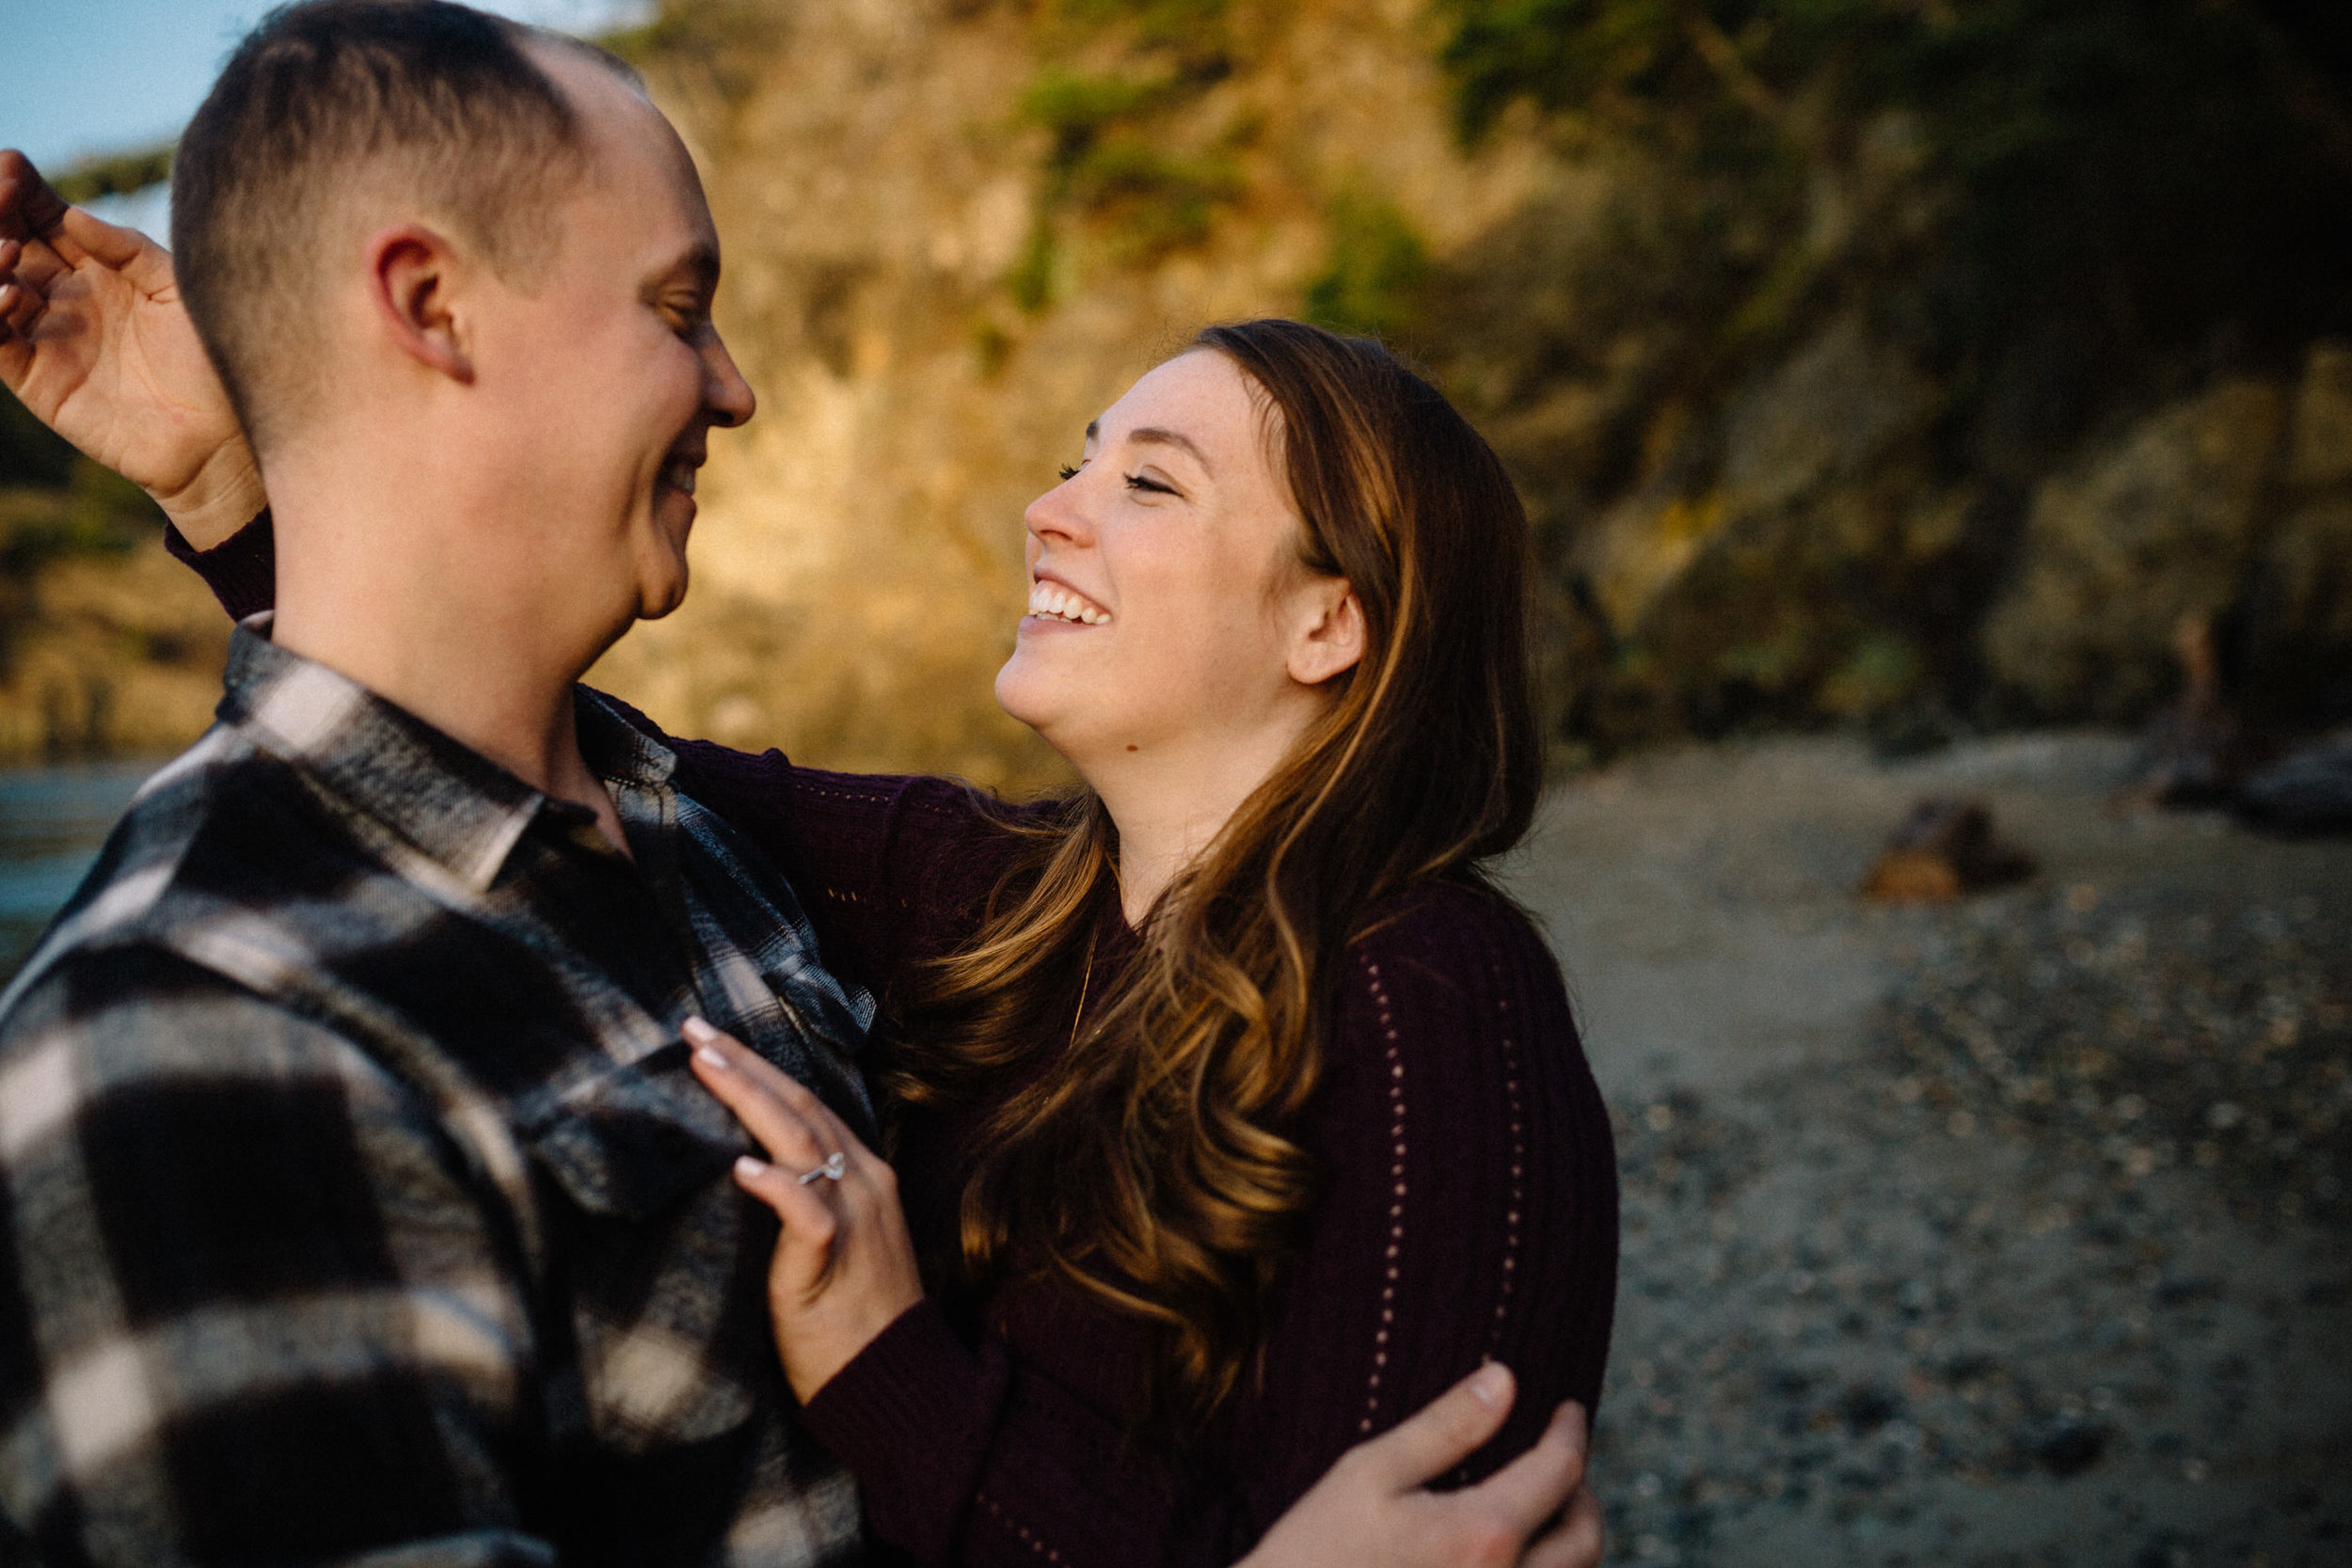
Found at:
(1945, 849)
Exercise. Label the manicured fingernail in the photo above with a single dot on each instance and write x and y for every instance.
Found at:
(710, 1057)
(1491, 1382)
(749, 1169)
(696, 1030)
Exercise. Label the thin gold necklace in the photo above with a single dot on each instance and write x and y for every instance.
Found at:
(1084, 979)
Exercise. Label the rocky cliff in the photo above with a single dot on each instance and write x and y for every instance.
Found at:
(1913, 366)
(954, 234)
(1837, 394)
(107, 645)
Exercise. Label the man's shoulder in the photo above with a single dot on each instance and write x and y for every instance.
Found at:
(133, 1008)
(222, 833)
(197, 961)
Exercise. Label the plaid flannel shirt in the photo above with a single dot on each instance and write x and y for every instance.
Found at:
(356, 1202)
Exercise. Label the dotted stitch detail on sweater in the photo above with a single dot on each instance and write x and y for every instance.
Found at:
(1021, 1531)
(824, 793)
(1518, 1164)
(1396, 1207)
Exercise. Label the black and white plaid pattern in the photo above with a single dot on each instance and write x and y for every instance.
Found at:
(356, 1202)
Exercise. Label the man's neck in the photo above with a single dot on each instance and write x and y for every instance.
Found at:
(475, 659)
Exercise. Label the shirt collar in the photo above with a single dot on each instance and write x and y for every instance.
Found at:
(451, 803)
(617, 750)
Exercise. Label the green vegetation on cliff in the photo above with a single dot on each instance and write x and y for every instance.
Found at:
(1875, 273)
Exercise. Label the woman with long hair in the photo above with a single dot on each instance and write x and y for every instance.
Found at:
(1232, 1114)
(1238, 1113)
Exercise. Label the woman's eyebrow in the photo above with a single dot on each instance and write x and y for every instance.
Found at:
(1158, 436)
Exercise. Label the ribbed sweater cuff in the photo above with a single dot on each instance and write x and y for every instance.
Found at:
(905, 1415)
(241, 570)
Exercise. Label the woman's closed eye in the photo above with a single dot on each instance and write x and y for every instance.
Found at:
(1141, 482)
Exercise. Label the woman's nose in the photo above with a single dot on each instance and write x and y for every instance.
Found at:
(1059, 514)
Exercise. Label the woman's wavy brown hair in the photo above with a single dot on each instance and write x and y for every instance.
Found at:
(1147, 1162)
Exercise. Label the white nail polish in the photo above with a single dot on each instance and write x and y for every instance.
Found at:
(711, 1058)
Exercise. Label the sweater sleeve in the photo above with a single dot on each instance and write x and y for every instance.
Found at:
(891, 868)
(888, 867)
(241, 570)
(1469, 1211)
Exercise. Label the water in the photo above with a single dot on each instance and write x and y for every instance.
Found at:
(52, 822)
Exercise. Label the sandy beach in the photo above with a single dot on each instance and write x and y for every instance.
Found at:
(2004, 1232)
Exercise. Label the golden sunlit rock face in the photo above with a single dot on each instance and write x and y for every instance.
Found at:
(106, 654)
(930, 320)
(1768, 484)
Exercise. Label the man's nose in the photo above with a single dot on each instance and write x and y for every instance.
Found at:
(725, 393)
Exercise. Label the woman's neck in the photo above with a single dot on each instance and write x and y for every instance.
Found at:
(1169, 803)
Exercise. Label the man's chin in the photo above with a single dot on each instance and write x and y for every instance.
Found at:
(658, 598)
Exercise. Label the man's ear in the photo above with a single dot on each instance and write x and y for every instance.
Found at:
(1331, 639)
(412, 273)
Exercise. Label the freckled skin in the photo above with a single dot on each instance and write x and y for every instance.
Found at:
(1188, 551)
(1220, 645)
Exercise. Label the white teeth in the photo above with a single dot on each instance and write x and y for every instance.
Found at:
(1048, 599)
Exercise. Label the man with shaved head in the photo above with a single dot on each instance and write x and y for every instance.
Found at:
(356, 1202)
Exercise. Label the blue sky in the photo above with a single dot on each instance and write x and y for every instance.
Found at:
(85, 76)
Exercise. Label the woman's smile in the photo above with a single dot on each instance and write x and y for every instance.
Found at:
(1053, 603)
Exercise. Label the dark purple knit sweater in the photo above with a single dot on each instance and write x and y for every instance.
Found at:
(1469, 1208)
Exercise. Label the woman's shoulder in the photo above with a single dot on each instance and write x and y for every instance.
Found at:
(1450, 971)
(1453, 930)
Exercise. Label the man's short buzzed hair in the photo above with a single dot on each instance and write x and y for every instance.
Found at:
(432, 105)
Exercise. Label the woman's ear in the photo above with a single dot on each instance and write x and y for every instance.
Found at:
(412, 273)
(1330, 637)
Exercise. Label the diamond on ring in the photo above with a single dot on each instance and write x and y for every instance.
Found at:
(832, 1169)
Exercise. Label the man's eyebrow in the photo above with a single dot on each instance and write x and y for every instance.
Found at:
(698, 266)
